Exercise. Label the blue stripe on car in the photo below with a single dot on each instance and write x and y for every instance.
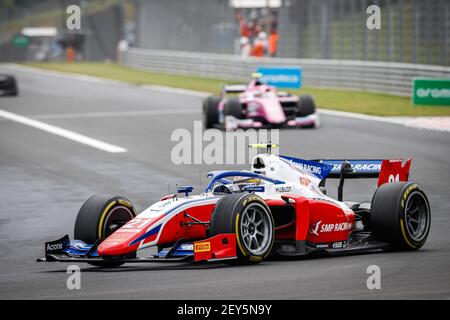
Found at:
(146, 235)
(156, 229)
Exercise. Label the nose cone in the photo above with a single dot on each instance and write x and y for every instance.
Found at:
(117, 244)
(273, 110)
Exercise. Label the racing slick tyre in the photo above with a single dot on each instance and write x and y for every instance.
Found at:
(233, 108)
(99, 217)
(211, 111)
(247, 216)
(306, 106)
(14, 88)
(8, 85)
(400, 215)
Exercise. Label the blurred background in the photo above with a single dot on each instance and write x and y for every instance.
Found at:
(412, 31)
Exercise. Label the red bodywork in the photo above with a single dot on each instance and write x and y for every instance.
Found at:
(332, 223)
(222, 246)
(316, 221)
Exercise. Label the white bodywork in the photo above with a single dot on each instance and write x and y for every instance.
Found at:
(297, 181)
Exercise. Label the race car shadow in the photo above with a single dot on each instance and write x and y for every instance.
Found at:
(321, 255)
(132, 267)
(140, 267)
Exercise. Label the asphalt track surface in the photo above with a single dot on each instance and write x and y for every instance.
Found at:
(45, 178)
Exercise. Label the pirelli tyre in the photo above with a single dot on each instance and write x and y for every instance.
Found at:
(211, 111)
(99, 217)
(400, 215)
(247, 216)
(306, 106)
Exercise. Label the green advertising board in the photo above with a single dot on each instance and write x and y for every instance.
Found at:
(20, 41)
(431, 92)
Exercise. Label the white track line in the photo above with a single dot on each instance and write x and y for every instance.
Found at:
(62, 132)
(406, 121)
(186, 92)
(113, 114)
(359, 116)
(81, 77)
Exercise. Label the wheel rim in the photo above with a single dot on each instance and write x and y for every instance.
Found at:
(256, 228)
(417, 215)
(117, 217)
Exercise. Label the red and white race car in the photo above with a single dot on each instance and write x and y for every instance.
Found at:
(279, 207)
(258, 106)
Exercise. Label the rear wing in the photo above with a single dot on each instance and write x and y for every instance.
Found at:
(385, 170)
(234, 88)
(354, 168)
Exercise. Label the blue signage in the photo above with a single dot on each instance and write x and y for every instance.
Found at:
(281, 77)
(358, 166)
(319, 169)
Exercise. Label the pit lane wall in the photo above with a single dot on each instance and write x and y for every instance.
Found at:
(385, 77)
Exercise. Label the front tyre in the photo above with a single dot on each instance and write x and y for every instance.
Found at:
(233, 107)
(400, 215)
(306, 106)
(247, 216)
(99, 217)
(211, 111)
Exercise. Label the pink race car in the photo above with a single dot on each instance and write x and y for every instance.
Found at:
(258, 105)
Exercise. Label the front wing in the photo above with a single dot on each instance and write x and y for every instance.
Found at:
(232, 123)
(218, 248)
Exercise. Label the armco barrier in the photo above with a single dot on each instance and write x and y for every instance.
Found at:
(385, 77)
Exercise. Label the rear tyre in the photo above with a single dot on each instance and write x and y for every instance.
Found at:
(306, 106)
(99, 217)
(247, 216)
(15, 88)
(233, 107)
(400, 215)
(211, 111)
(9, 86)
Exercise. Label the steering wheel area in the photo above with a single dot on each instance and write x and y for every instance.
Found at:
(221, 189)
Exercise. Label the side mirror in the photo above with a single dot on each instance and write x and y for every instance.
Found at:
(185, 189)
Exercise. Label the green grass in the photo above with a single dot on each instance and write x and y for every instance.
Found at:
(343, 100)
